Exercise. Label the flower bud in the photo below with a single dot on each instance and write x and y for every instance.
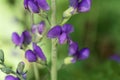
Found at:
(20, 67)
(68, 60)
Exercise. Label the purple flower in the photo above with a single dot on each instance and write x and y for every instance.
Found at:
(43, 4)
(30, 56)
(78, 54)
(16, 39)
(10, 77)
(38, 28)
(38, 51)
(115, 57)
(24, 39)
(62, 33)
(81, 55)
(81, 5)
(34, 6)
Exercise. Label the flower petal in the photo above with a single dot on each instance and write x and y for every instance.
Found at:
(26, 4)
(43, 4)
(84, 6)
(38, 51)
(73, 48)
(67, 28)
(74, 3)
(115, 57)
(41, 27)
(33, 7)
(16, 39)
(27, 38)
(10, 77)
(62, 38)
(30, 56)
(83, 54)
(54, 32)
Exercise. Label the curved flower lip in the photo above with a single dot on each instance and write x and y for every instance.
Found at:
(30, 56)
(38, 51)
(33, 7)
(10, 77)
(54, 32)
(43, 4)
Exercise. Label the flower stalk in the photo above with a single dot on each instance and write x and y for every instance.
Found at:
(54, 43)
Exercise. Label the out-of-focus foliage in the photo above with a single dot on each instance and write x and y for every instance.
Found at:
(98, 29)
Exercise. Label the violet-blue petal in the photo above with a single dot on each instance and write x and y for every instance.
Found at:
(84, 6)
(43, 4)
(73, 48)
(74, 3)
(41, 27)
(34, 29)
(67, 28)
(27, 38)
(33, 7)
(115, 57)
(26, 4)
(30, 56)
(83, 54)
(38, 51)
(16, 39)
(62, 38)
(54, 32)
(10, 77)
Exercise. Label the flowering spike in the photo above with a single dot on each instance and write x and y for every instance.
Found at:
(54, 32)
(30, 56)
(43, 4)
(38, 51)
(67, 28)
(16, 39)
(33, 7)
(115, 57)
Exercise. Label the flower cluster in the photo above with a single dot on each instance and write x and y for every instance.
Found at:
(78, 54)
(37, 52)
(35, 6)
(61, 32)
(24, 39)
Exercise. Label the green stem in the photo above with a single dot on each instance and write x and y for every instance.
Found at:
(37, 77)
(36, 71)
(54, 44)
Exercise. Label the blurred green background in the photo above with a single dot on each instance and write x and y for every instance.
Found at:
(98, 29)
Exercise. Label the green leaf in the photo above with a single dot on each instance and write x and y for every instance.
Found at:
(6, 70)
